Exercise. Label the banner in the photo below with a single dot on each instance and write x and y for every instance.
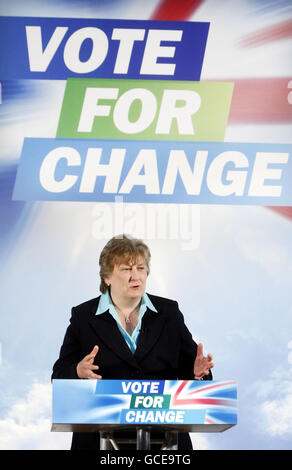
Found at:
(169, 121)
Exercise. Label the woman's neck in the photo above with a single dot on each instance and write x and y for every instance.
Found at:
(125, 305)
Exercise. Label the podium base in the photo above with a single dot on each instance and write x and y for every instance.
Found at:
(143, 440)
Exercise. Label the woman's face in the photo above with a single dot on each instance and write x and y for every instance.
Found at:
(128, 280)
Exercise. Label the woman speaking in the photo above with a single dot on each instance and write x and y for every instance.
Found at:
(126, 333)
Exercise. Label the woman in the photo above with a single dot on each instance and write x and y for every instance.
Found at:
(128, 334)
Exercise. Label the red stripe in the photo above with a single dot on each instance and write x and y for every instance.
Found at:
(210, 421)
(204, 401)
(285, 211)
(182, 385)
(175, 10)
(261, 100)
(269, 34)
(208, 387)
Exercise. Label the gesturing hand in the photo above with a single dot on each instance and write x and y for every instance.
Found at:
(86, 367)
(202, 365)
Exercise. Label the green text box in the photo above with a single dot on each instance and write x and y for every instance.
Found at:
(145, 109)
(150, 401)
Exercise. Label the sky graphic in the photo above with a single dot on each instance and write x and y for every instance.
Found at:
(229, 267)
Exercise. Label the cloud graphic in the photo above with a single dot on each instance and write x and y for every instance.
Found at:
(27, 424)
(275, 409)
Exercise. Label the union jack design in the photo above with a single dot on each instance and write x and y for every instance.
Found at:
(220, 398)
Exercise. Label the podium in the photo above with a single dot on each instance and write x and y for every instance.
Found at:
(147, 407)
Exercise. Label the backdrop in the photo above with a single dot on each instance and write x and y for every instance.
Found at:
(227, 262)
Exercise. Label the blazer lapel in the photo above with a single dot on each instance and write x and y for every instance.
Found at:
(152, 325)
(106, 328)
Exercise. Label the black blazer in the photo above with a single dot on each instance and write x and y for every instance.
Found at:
(165, 348)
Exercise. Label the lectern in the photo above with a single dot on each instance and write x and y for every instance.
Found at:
(145, 406)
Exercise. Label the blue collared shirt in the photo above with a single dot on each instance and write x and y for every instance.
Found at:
(105, 303)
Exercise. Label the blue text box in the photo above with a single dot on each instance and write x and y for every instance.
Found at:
(155, 172)
(129, 387)
(58, 48)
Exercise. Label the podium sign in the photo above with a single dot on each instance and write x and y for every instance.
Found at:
(176, 405)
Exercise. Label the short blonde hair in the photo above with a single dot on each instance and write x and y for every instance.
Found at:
(121, 248)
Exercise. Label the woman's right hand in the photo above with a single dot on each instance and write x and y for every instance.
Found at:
(86, 367)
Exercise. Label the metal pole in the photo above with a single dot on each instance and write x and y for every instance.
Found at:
(143, 439)
(107, 442)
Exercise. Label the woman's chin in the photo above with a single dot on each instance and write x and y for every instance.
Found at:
(136, 291)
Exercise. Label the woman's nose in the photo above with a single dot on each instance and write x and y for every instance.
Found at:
(134, 273)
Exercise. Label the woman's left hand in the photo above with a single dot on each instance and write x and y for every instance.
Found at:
(202, 364)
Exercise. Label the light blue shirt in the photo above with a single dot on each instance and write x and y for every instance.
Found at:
(105, 303)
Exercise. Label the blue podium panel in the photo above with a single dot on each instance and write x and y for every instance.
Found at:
(177, 405)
